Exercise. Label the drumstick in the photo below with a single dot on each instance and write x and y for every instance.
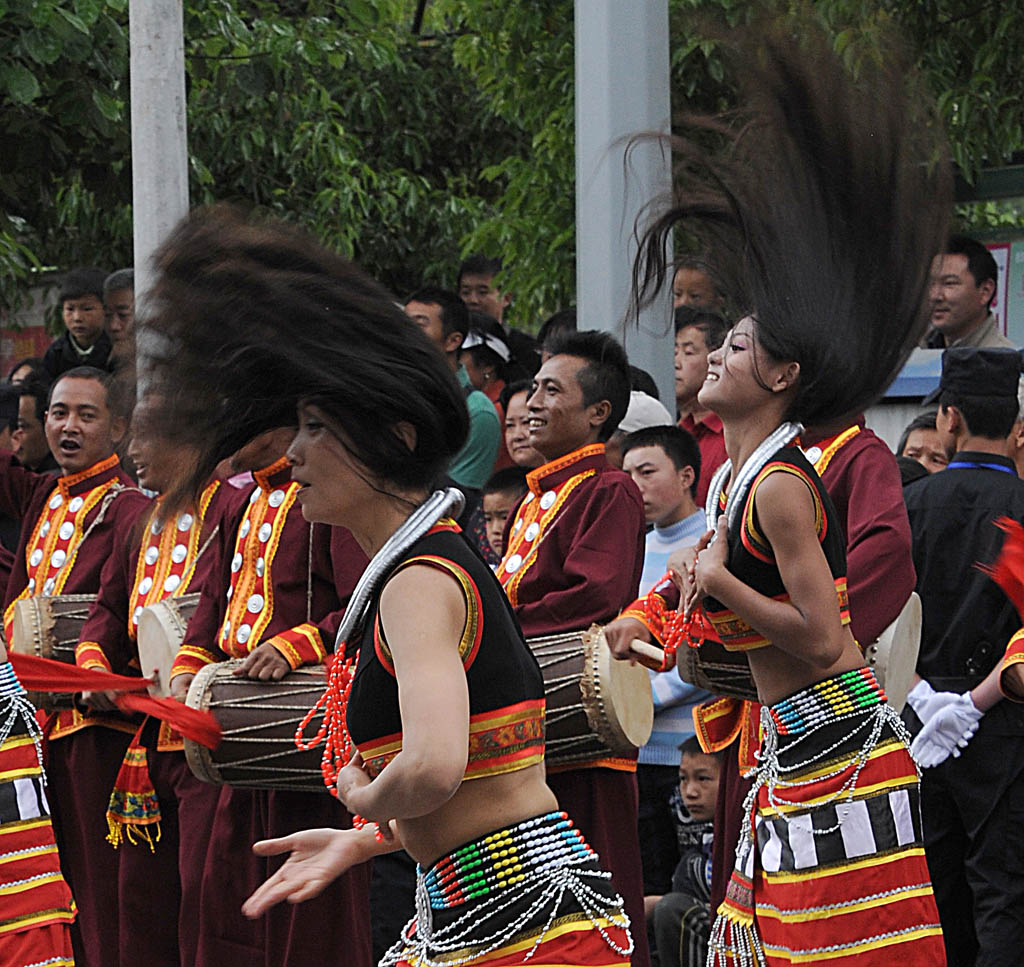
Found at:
(647, 654)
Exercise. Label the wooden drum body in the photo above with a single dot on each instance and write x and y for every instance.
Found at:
(160, 634)
(717, 670)
(258, 720)
(597, 707)
(49, 627)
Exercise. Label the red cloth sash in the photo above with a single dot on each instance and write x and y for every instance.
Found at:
(45, 675)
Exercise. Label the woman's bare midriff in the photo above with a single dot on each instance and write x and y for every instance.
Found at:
(778, 674)
(478, 807)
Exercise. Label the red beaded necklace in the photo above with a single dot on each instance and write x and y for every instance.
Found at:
(676, 627)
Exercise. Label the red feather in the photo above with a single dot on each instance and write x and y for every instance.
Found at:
(1008, 569)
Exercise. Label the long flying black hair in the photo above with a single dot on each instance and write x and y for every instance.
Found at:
(820, 204)
(251, 318)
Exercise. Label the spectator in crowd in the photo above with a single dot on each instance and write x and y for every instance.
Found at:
(682, 918)
(963, 287)
(693, 285)
(119, 306)
(30, 446)
(488, 361)
(23, 369)
(698, 332)
(643, 381)
(972, 789)
(664, 462)
(910, 470)
(443, 316)
(1015, 441)
(84, 342)
(10, 526)
(921, 442)
(501, 496)
(562, 321)
(517, 426)
(477, 289)
(643, 411)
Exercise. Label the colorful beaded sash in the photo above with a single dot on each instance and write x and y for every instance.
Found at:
(504, 858)
(834, 698)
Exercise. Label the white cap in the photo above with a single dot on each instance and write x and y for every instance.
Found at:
(644, 411)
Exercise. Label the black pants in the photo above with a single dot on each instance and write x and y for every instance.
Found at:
(392, 899)
(973, 811)
(659, 844)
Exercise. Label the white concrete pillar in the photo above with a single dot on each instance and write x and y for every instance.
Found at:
(622, 88)
(159, 137)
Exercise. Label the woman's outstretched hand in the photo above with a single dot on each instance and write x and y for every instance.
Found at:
(318, 857)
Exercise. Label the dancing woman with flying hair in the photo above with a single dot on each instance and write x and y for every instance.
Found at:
(822, 210)
(435, 705)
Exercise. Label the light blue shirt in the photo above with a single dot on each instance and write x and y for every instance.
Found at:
(674, 699)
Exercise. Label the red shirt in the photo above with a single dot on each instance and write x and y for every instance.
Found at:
(711, 440)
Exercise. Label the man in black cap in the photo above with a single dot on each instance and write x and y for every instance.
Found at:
(972, 740)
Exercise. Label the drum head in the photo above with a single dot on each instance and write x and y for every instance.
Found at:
(159, 639)
(893, 658)
(625, 696)
(26, 636)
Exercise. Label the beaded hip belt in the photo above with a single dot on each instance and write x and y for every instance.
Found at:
(826, 701)
(504, 858)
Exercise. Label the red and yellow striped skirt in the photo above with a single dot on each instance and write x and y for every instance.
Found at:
(831, 869)
(36, 908)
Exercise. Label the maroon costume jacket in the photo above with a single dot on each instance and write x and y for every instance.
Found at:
(575, 545)
(54, 554)
(269, 584)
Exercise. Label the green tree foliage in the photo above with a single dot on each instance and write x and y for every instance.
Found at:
(404, 150)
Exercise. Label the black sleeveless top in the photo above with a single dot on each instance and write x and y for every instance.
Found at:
(506, 689)
(751, 559)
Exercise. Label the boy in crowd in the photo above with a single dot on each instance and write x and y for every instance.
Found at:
(475, 285)
(501, 496)
(85, 342)
(698, 332)
(681, 919)
(664, 462)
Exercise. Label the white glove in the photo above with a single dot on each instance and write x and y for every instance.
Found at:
(947, 731)
(925, 701)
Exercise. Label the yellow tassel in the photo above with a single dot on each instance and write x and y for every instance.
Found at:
(119, 831)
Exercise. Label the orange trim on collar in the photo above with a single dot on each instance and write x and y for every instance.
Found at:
(263, 477)
(830, 447)
(534, 477)
(66, 483)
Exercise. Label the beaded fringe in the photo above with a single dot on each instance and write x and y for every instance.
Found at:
(14, 705)
(539, 888)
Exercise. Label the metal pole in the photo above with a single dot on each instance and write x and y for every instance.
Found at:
(622, 88)
(159, 139)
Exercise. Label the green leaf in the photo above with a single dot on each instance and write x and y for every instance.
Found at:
(41, 46)
(41, 13)
(89, 10)
(21, 83)
(74, 20)
(111, 108)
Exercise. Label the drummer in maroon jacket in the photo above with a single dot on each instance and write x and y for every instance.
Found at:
(275, 598)
(156, 799)
(574, 554)
(71, 525)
